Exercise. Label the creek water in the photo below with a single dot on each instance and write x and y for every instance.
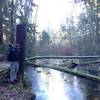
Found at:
(50, 84)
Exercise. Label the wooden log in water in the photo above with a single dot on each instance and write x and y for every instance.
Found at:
(79, 73)
(61, 57)
(68, 57)
(70, 71)
(90, 62)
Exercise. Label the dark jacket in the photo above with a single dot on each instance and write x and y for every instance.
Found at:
(13, 54)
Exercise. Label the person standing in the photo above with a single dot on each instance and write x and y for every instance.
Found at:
(13, 56)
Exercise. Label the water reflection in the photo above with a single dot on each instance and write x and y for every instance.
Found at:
(51, 85)
(92, 90)
(56, 87)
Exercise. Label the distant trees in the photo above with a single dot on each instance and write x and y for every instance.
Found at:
(13, 12)
(69, 31)
(89, 26)
(6, 21)
(86, 34)
(45, 38)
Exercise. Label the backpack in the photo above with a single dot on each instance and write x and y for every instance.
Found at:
(13, 54)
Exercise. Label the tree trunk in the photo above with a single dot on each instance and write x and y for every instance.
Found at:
(1, 23)
(97, 32)
(20, 39)
(12, 40)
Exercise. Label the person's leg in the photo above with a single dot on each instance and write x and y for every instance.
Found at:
(17, 68)
(14, 74)
(17, 64)
(12, 70)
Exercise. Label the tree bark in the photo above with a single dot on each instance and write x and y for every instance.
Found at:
(12, 40)
(1, 22)
(97, 32)
(20, 39)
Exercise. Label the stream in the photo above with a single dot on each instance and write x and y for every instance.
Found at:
(49, 84)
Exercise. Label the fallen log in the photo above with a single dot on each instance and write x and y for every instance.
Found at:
(66, 58)
(70, 71)
(79, 73)
(2, 57)
(90, 62)
(4, 70)
(4, 74)
(61, 57)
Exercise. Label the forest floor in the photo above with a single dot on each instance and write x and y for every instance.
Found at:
(10, 91)
(13, 92)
